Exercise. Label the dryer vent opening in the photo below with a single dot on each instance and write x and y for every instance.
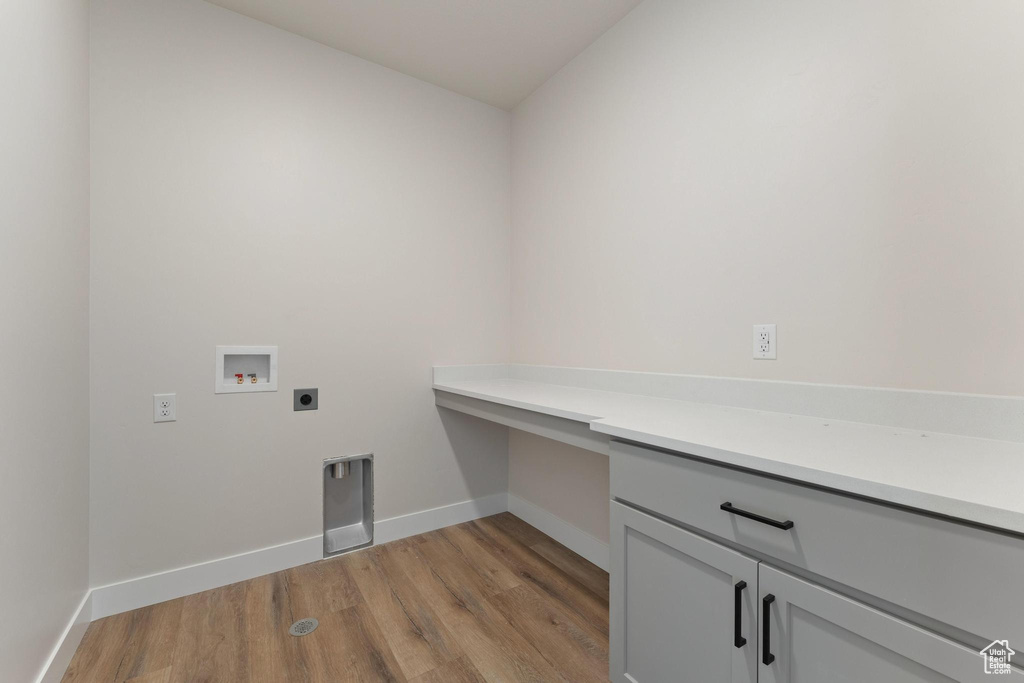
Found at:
(348, 503)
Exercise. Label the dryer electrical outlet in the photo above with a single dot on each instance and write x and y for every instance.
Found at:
(305, 399)
(764, 342)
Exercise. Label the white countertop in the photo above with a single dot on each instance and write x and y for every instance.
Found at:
(972, 479)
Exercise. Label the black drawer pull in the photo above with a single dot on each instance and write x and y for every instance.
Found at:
(766, 630)
(787, 525)
(738, 639)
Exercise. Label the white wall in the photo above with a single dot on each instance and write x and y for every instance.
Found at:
(44, 296)
(254, 187)
(848, 170)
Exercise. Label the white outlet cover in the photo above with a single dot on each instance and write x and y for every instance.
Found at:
(765, 346)
(165, 408)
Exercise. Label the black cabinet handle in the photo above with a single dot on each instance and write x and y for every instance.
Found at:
(766, 629)
(787, 525)
(737, 619)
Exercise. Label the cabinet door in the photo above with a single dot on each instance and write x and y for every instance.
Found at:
(683, 608)
(816, 635)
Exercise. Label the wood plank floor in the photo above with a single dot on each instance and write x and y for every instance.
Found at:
(489, 600)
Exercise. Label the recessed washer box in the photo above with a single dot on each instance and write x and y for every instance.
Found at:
(256, 364)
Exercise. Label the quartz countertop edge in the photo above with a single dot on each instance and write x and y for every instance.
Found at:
(975, 480)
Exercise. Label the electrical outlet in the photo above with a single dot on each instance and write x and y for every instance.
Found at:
(165, 407)
(305, 399)
(764, 342)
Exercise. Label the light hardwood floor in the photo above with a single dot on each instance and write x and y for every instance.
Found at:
(489, 600)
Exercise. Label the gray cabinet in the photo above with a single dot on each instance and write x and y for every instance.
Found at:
(925, 566)
(814, 635)
(923, 595)
(677, 600)
(686, 609)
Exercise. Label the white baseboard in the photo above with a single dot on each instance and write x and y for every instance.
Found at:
(438, 518)
(175, 583)
(57, 664)
(576, 540)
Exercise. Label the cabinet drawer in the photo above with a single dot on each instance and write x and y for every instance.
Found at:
(964, 577)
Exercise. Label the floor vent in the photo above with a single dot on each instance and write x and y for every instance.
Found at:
(303, 627)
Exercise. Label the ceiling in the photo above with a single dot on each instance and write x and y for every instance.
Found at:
(496, 51)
